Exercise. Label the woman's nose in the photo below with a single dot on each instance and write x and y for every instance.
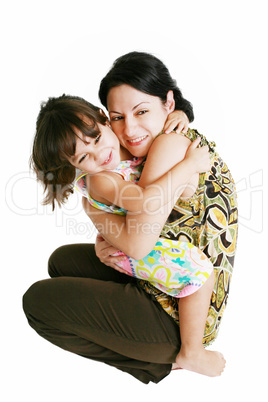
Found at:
(129, 127)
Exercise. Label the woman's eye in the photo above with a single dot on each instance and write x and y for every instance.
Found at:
(97, 138)
(142, 112)
(117, 118)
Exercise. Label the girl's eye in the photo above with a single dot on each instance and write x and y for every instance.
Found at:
(81, 160)
(97, 138)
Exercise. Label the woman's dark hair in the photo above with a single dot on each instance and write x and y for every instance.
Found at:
(55, 141)
(147, 74)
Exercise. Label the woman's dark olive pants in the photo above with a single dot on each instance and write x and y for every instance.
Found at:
(94, 311)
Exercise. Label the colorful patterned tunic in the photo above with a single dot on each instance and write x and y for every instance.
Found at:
(208, 220)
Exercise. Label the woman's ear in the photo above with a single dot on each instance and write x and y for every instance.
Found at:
(102, 113)
(170, 102)
(107, 119)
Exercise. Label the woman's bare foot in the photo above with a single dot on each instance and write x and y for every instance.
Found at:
(205, 362)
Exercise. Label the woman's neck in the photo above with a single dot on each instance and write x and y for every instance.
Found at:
(125, 154)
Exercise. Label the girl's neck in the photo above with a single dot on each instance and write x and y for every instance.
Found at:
(125, 154)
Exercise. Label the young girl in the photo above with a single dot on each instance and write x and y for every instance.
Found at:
(72, 133)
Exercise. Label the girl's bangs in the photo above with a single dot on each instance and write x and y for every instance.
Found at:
(77, 129)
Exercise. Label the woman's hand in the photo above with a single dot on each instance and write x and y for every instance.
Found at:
(200, 157)
(104, 251)
(177, 121)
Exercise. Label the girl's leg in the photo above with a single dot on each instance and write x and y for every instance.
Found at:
(193, 312)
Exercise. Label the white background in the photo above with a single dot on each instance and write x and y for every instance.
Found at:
(217, 51)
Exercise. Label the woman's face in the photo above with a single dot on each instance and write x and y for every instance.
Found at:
(136, 117)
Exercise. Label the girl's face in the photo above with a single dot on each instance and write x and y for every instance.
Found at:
(136, 117)
(94, 155)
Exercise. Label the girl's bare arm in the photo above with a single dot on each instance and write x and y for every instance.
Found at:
(136, 234)
(166, 151)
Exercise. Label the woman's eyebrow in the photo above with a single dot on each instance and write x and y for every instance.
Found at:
(134, 107)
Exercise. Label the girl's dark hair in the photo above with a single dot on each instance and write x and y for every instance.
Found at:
(147, 74)
(55, 141)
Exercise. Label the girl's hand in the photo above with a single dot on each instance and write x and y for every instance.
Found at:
(177, 121)
(104, 251)
(200, 157)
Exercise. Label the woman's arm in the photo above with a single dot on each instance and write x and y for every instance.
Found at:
(104, 251)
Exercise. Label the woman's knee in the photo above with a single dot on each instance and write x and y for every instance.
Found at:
(56, 260)
(41, 300)
(32, 298)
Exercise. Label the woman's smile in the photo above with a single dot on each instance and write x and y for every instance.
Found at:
(137, 141)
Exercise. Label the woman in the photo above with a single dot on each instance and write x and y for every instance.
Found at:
(98, 312)
(206, 217)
